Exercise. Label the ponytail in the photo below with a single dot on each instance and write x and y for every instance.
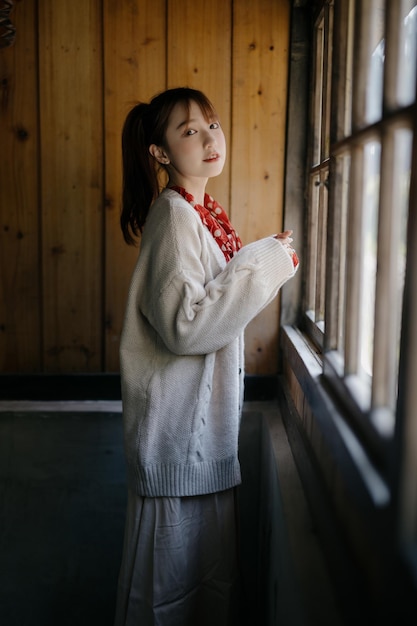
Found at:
(140, 179)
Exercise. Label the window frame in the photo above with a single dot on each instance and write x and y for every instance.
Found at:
(370, 478)
(369, 407)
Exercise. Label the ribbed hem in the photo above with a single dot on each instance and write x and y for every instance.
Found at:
(267, 251)
(185, 480)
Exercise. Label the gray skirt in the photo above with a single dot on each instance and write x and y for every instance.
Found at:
(179, 565)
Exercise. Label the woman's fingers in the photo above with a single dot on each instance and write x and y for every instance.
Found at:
(285, 235)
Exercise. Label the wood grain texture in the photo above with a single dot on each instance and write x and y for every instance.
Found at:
(134, 70)
(67, 83)
(71, 104)
(199, 56)
(260, 60)
(20, 337)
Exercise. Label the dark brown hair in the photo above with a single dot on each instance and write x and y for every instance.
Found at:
(146, 124)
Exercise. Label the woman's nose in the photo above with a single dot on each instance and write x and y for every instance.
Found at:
(209, 139)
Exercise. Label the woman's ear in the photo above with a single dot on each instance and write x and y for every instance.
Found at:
(158, 154)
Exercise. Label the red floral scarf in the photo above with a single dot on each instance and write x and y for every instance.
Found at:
(214, 217)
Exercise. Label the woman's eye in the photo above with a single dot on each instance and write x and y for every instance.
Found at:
(214, 125)
(190, 131)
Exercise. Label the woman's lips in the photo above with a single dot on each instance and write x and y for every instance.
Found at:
(213, 157)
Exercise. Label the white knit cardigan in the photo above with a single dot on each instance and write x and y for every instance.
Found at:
(181, 351)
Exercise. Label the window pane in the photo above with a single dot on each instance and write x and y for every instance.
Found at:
(318, 90)
(321, 248)
(347, 103)
(319, 153)
(376, 66)
(372, 157)
(392, 227)
(408, 53)
(313, 217)
(327, 77)
(368, 60)
(342, 192)
(403, 150)
(317, 229)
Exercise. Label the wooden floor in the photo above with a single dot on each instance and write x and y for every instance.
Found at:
(62, 502)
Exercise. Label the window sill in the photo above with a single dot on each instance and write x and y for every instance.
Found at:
(335, 445)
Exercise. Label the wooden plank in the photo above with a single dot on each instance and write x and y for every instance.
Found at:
(82, 251)
(70, 73)
(134, 69)
(19, 247)
(199, 56)
(260, 60)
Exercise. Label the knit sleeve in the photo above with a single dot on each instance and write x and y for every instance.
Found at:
(196, 315)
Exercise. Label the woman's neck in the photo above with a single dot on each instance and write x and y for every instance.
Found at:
(197, 188)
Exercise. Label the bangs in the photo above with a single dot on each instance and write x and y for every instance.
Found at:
(206, 107)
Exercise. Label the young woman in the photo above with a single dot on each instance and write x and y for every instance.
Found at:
(193, 291)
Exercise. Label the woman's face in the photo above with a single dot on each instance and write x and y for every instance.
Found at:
(194, 147)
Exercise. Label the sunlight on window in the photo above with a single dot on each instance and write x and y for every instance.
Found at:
(403, 151)
(376, 65)
(318, 92)
(343, 177)
(372, 158)
(376, 81)
(354, 286)
(407, 53)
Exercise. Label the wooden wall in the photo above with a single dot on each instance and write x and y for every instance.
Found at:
(66, 84)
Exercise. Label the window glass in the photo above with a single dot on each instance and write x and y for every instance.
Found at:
(319, 171)
(403, 151)
(358, 197)
(359, 277)
(372, 157)
(375, 79)
(321, 248)
(312, 249)
(407, 53)
(318, 90)
(327, 76)
(342, 197)
(390, 272)
(345, 104)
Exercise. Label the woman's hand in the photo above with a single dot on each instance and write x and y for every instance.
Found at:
(285, 237)
(286, 240)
